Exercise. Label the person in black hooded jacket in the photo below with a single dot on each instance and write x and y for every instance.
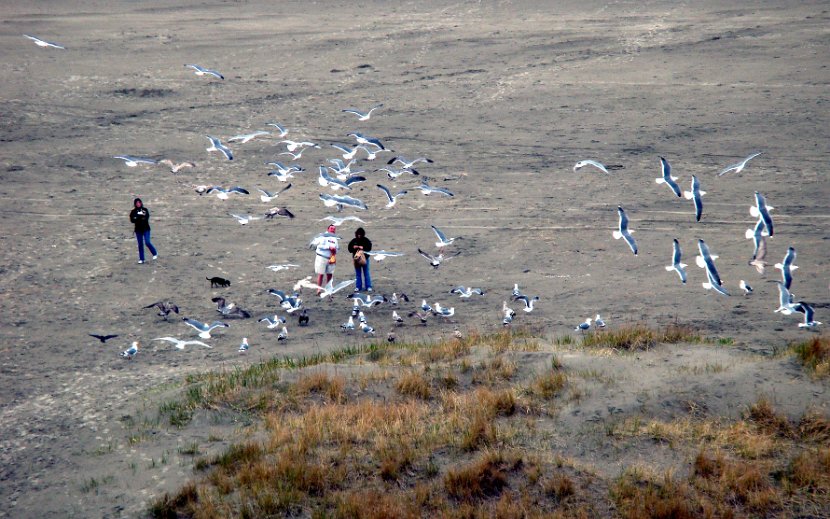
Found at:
(361, 243)
(140, 216)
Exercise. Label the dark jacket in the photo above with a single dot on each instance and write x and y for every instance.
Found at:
(363, 242)
(140, 216)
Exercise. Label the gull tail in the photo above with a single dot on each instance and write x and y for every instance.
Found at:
(779, 266)
(753, 211)
(688, 195)
(617, 235)
(660, 180)
(749, 234)
(700, 262)
(669, 268)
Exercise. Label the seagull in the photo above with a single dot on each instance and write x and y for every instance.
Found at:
(746, 288)
(282, 168)
(244, 346)
(465, 292)
(242, 139)
(787, 267)
(348, 325)
(581, 327)
(294, 156)
(711, 284)
(427, 189)
(443, 241)
(131, 161)
(363, 116)
(164, 308)
(366, 300)
(216, 145)
(583, 163)
(598, 322)
(667, 177)
(393, 172)
(390, 337)
(281, 176)
(362, 139)
(425, 306)
(435, 261)
(175, 168)
(348, 153)
(230, 310)
(528, 302)
(707, 261)
(327, 180)
(103, 338)
(760, 254)
(44, 43)
(290, 303)
(785, 300)
(676, 264)
(293, 145)
(201, 71)
(739, 166)
(204, 329)
(761, 209)
(337, 200)
(306, 283)
(365, 328)
(130, 352)
(507, 311)
(284, 266)
(383, 254)
(516, 291)
(331, 288)
(392, 199)
(280, 128)
(408, 164)
(623, 231)
(422, 316)
(272, 322)
(222, 193)
(397, 318)
(244, 219)
(443, 312)
(180, 344)
(809, 312)
(371, 154)
(278, 211)
(697, 195)
(338, 221)
(394, 299)
(302, 319)
(267, 196)
(283, 336)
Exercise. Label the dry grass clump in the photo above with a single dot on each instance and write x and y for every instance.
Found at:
(639, 337)
(764, 416)
(550, 384)
(484, 477)
(639, 496)
(414, 385)
(815, 355)
(810, 470)
(321, 383)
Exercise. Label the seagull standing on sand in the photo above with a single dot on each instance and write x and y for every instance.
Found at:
(676, 264)
(598, 322)
(623, 231)
(363, 116)
(44, 43)
(697, 196)
(583, 163)
(787, 267)
(216, 145)
(244, 346)
(581, 327)
(738, 166)
(746, 288)
(130, 352)
(667, 177)
(201, 71)
(466, 292)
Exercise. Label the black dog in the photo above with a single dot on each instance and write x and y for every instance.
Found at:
(218, 282)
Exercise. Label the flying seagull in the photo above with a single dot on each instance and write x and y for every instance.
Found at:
(338, 221)
(222, 193)
(528, 301)
(283, 131)
(284, 266)
(331, 288)
(44, 43)
(706, 260)
(164, 308)
(267, 196)
(667, 177)
(697, 195)
(383, 254)
(131, 161)
(785, 300)
(392, 199)
(348, 153)
(244, 219)
(435, 261)
(294, 145)
(175, 168)
(583, 163)
(242, 139)
(201, 71)
(738, 166)
(216, 145)
(393, 172)
(676, 264)
(363, 116)
(204, 329)
(787, 267)
(363, 139)
(427, 189)
(279, 211)
(337, 200)
(624, 232)
(180, 344)
(273, 322)
(408, 164)
(465, 292)
(443, 241)
(761, 209)
(809, 312)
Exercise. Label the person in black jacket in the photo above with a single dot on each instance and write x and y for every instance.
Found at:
(140, 216)
(361, 243)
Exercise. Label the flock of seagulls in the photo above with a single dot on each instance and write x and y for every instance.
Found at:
(337, 180)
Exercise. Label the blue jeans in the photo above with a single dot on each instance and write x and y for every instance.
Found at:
(144, 237)
(362, 274)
